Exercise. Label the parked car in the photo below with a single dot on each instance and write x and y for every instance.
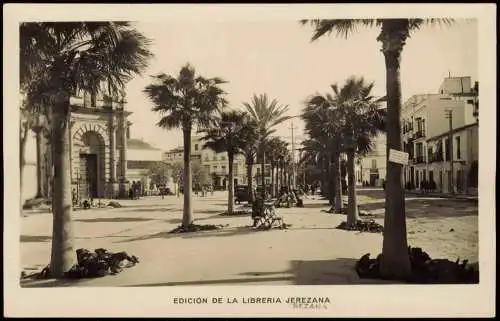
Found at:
(241, 194)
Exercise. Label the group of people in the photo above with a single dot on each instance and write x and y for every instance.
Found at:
(135, 190)
(204, 190)
(310, 188)
(289, 197)
(427, 186)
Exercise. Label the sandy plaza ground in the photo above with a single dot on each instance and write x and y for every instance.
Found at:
(311, 251)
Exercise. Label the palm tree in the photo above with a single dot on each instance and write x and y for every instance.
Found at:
(249, 150)
(266, 114)
(274, 148)
(227, 135)
(360, 121)
(56, 60)
(322, 125)
(186, 101)
(395, 262)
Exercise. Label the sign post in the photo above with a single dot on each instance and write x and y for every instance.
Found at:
(398, 157)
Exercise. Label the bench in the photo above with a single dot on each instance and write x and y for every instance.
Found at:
(267, 218)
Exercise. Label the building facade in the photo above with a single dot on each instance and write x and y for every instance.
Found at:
(98, 144)
(427, 130)
(140, 157)
(217, 164)
(371, 168)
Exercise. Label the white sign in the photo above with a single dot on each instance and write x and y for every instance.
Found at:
(398, 157)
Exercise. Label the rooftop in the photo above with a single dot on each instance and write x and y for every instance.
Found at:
(134, 143)
(176, 150)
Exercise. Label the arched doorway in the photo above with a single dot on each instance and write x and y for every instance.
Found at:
(91, 178)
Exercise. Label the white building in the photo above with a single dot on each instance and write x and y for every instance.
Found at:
(372, 167)
(140, 157)
(217, 164)
(426, 132)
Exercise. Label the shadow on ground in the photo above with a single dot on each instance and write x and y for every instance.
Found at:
(147, 209)
(35, 238)
(323, 272)
(223, 232)
(371, 193)
(248, 281)
(320, 272)
(34, 283)
(219, 211)
(316, 205)
(114, 219)
(329, 272)
(140, 205)
(429, 208)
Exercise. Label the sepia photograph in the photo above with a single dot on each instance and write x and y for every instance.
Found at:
(229, 160)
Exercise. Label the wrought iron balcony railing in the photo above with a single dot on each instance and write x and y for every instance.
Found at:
(419, 160)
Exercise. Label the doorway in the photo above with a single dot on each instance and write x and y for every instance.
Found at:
(89, 170)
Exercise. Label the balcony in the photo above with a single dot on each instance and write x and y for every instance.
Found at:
(220, 172)
(419, 134)
(419, 160)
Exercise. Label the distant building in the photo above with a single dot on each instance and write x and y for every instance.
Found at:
(102, 162)
(426, 135)
(217, 164)
(140, 157)
(98, 126)
(372, 167)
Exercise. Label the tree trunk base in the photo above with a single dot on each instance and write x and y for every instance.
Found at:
(423, 270)
(362, 226)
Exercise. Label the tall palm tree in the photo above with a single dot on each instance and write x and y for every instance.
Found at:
(267, 114)
(227, 135)
(360, 121)
(185, 101)
(395, 262)
(56, 60)
(249, 150)
(322, 125)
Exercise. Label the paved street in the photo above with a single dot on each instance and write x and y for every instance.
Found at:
(311, 251)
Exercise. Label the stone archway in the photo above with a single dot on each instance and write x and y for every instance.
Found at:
(90, 161)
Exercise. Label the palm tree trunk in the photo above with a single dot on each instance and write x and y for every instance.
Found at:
(338, 184)
(280, 176)
(263, 166)
(22, 162)
(352, 206)
(324, 177)
(39, 161)
(187, 216)
(395, 263)
(63, 254)
(250, 182)
(273, 194)
(331, 179)
(230, 197)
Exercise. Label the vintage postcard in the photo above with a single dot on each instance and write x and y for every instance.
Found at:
(249, 160)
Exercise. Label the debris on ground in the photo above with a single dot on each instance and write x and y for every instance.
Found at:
(236, 213)
(343, 211)
(424, 269)
(196, 228)
(362, 226)
(92, 265)
(37, 204)
(114, 204)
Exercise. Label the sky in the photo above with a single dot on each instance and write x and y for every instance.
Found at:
(277, 58)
